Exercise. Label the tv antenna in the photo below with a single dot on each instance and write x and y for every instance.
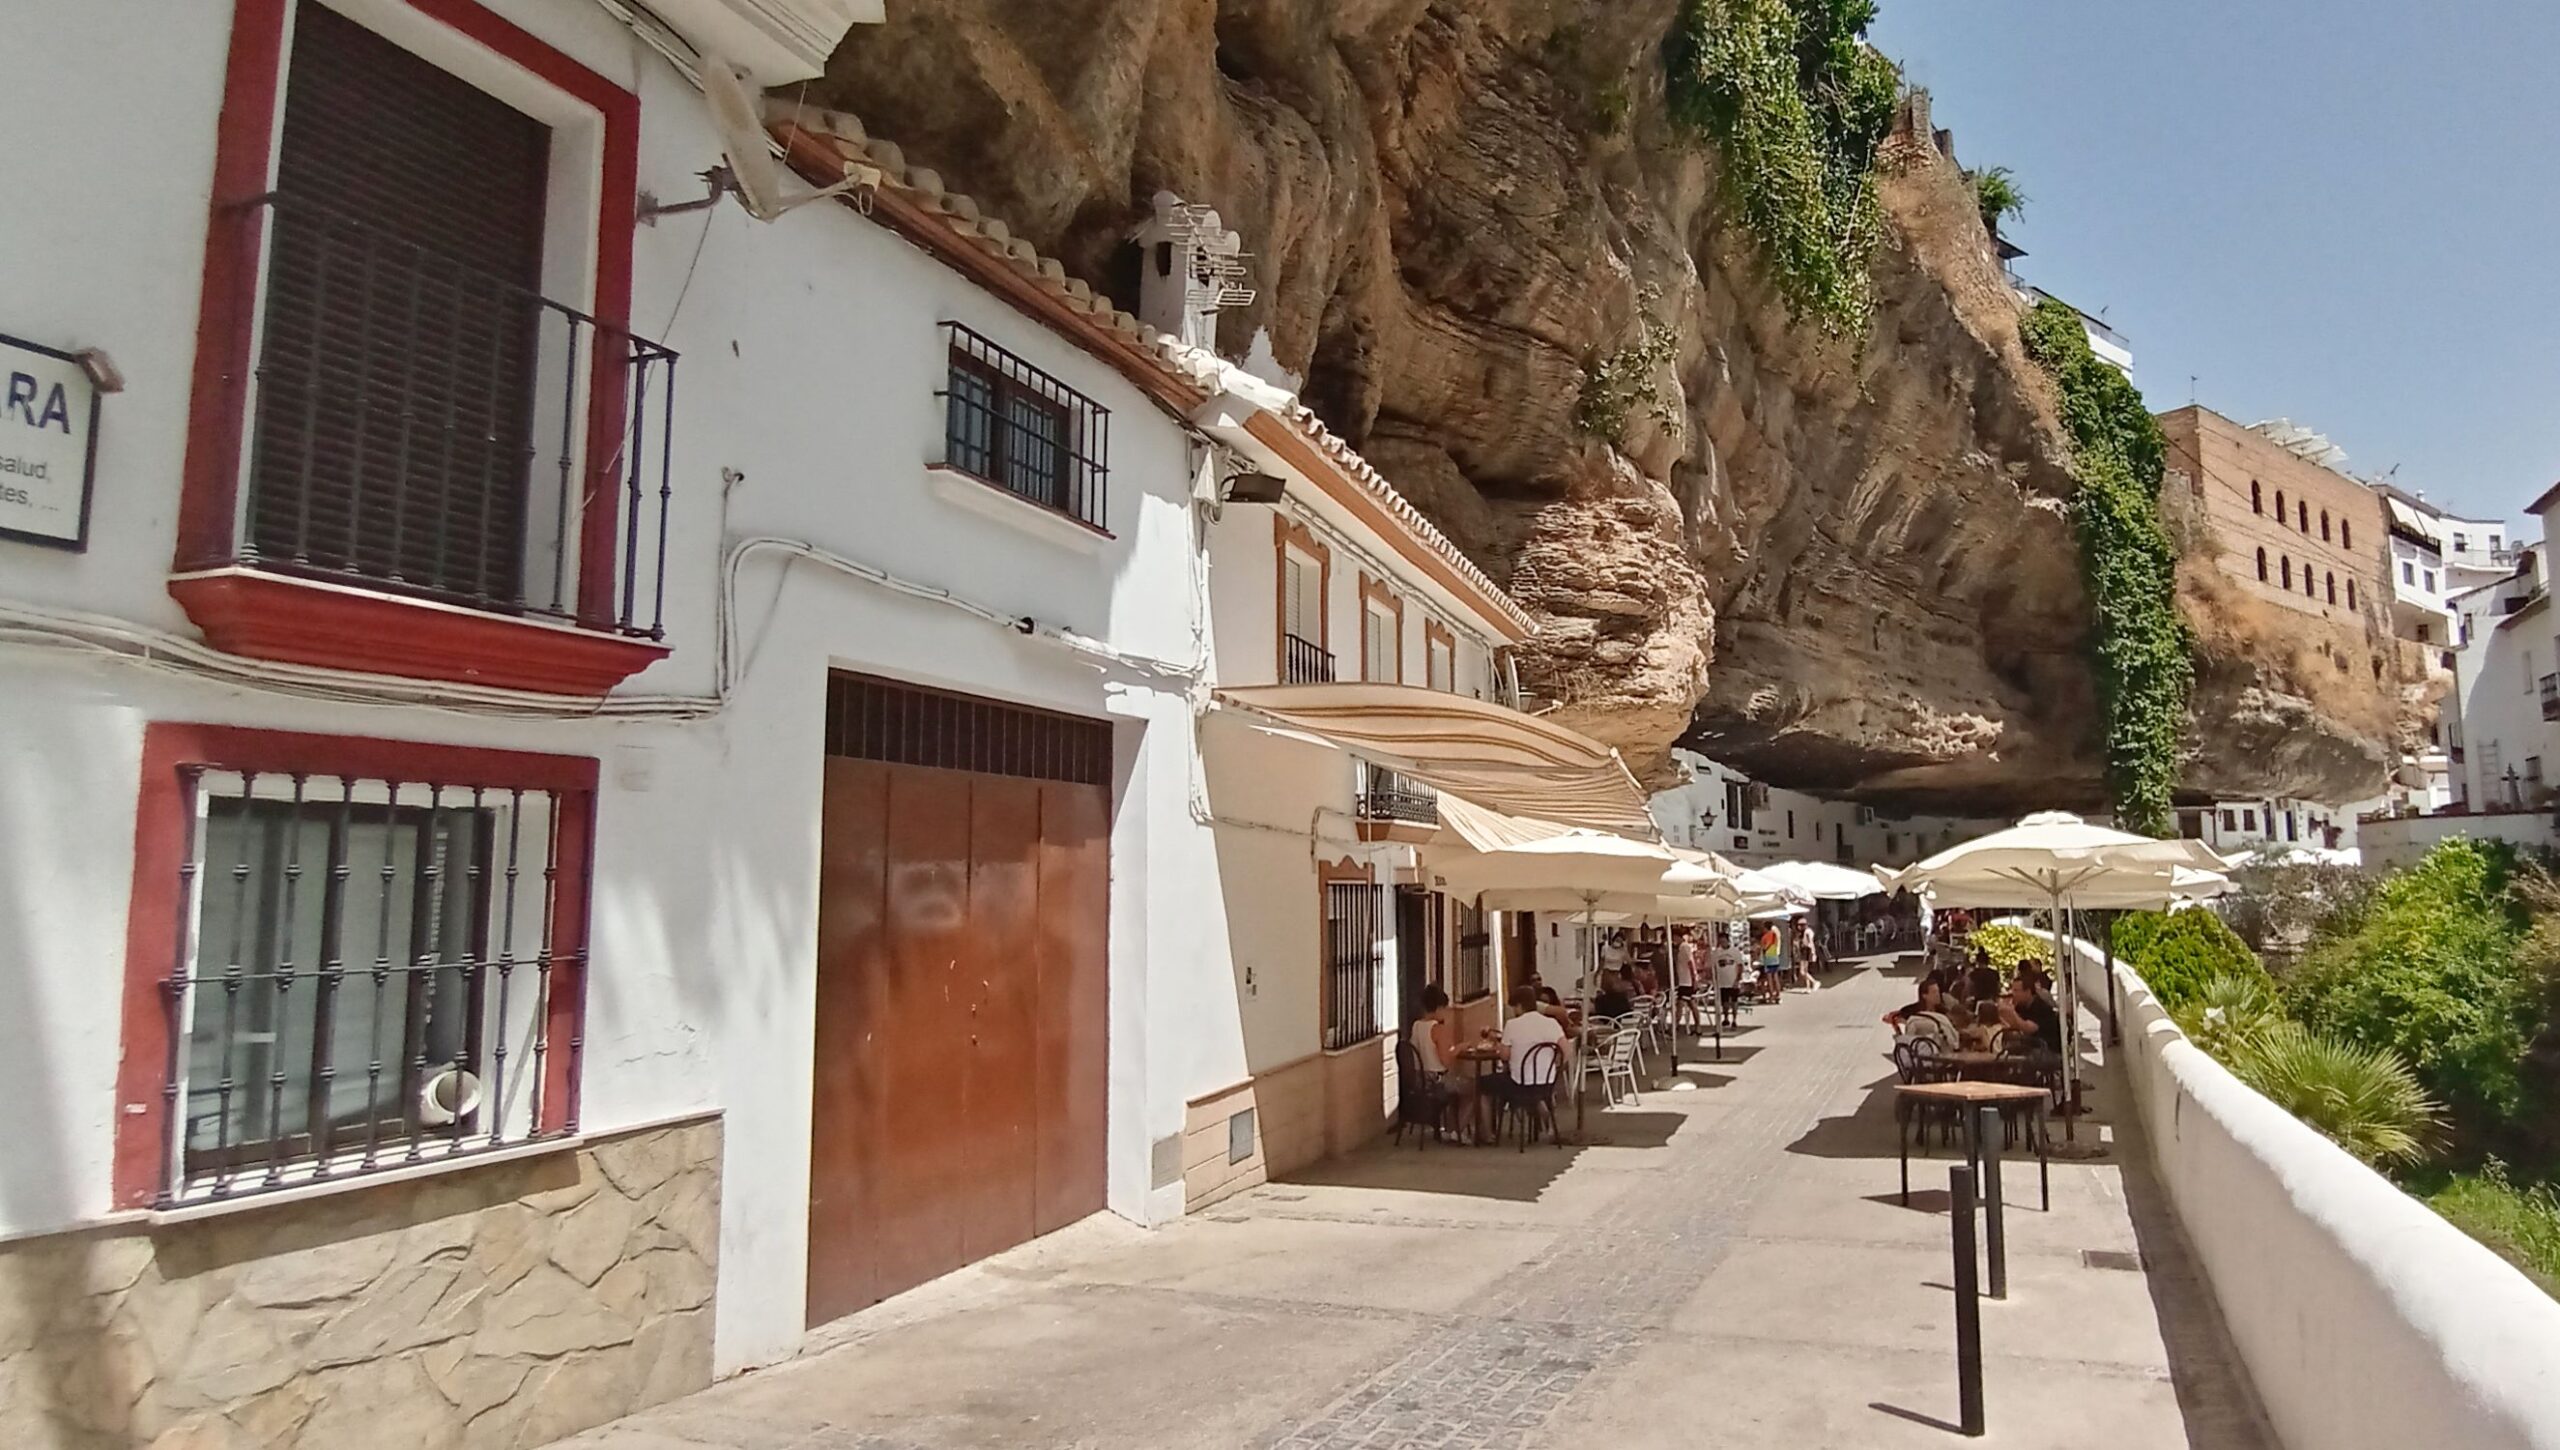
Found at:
(749, 171)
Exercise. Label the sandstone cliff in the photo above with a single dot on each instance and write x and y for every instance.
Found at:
(1839, 564)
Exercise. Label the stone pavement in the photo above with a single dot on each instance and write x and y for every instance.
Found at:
(1730, 1267)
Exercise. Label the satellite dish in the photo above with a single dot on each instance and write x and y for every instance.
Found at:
(751, 174)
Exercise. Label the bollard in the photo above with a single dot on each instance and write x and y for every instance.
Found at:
(1968, 1304)
(1995, 1216)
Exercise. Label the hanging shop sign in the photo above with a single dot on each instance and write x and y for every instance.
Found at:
(48, 444)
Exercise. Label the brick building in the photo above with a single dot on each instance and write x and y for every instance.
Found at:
(2288, 529)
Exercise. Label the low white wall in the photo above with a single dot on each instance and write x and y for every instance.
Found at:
(2401, 840)
(2364, 1319)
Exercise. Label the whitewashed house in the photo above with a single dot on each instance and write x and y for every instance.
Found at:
(584, 791)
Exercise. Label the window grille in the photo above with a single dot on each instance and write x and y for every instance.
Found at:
(875, 719)
(1474, 960)
(1008, 423)
(367, 978)
(1351, 962)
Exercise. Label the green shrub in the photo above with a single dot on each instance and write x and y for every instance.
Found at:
(2429, 970)
(1995, 191)
(2364, 1098)
(2521, 1223)
(2009, 945)
(2180, 954)
(2232, 1015)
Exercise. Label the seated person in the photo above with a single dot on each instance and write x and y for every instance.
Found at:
(1982, 984)
(1435, 1047)
(2032, 1017)
(1529, 1026)
(1984, 1029)
(1926, 1017)
(1613, 999)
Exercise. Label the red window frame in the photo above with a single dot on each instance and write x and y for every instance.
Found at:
(344, 628)
(156, 921)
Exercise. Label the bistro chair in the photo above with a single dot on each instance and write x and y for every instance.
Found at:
(1419, 1103)
(1617, 1062)
(1529, 1100)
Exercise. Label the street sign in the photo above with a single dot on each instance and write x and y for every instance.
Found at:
(48, 444)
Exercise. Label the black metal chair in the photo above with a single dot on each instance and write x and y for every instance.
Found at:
(1526, 1102)
(1420, 1103)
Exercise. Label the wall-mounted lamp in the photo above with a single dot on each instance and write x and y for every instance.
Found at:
(1253, 488)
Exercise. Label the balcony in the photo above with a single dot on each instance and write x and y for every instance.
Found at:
(444, 475)
(2551, 697)
(1304, 662)
(1392, 807)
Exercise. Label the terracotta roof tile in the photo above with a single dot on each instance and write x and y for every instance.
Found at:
(1193, 370)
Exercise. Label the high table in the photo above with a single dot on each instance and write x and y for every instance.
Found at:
(1911, 1099)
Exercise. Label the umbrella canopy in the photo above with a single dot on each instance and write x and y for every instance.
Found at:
(1491, 754)
(1823, 881)
(2120, 891)
(1521, 864)
(2051, 854)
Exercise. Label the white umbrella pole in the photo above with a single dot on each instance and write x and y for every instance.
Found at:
(1582, 1029)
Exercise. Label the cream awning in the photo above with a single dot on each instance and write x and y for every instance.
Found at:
(1493, 755)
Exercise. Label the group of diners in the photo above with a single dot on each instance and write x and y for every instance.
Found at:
(1973, 1010)
(1675, 977)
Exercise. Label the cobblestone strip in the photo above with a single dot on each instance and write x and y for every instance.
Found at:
(1518, 1349)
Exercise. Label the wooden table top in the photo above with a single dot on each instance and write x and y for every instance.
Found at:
(1970, 1091)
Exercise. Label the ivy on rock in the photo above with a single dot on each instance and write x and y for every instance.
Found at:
(1797, 102)
(2140, 646)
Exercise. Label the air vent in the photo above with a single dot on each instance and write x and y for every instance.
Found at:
(2110, 1259)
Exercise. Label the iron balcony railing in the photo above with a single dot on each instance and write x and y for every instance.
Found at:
(1008, 423)
(1387, 796)
(1304, 662)
(419, 427)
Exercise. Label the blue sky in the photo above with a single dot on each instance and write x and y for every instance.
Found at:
(2346, 213)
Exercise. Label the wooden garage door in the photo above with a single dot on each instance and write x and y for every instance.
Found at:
(961, 1028)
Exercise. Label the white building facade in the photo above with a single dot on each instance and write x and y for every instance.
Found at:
(582, 795)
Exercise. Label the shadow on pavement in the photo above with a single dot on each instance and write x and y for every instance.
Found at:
(1503, 1171)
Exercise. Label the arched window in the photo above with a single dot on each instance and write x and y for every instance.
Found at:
(2351, 593)
(2324, 526)
(2333, 588)
(2310, 586)
(2287, 565)
(2257, 498)
(2302, 515)
(2279, 505)
(2262, 566)
(2346, 535)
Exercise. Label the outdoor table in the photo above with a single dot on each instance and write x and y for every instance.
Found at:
(1966, 1095)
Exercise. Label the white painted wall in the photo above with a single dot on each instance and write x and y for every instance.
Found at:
(2401, 840)
(810, 359)
(1795, 826)
(2366, 1321)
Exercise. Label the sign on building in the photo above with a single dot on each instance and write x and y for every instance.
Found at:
(48, 444)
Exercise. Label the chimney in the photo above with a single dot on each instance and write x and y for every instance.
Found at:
(1190, 266)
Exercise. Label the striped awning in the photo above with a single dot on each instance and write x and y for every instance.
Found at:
(1493, 755)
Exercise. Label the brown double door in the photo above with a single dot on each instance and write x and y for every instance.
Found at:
(961, 1026)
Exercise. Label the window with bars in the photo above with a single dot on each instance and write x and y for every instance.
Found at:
(1008, 423)
(368, 977)
(1351, 962)
(1475, 938)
